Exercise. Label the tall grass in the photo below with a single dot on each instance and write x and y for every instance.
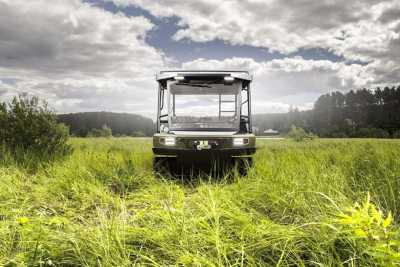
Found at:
(319, 203)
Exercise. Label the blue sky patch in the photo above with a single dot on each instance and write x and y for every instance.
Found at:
(186, 50)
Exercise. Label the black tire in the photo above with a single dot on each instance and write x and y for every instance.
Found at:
(160, 165)
(243, 165)
(165, 166)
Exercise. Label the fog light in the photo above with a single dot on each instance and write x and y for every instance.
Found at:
(169, 141)
(240, 141)
(229, 79)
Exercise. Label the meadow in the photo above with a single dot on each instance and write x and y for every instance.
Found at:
(316, 203)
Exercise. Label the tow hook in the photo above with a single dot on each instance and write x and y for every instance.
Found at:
(204, 144)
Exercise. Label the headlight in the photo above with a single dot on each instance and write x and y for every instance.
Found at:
(179, 78)
(168, 141)
(240, 141)
(164, 129)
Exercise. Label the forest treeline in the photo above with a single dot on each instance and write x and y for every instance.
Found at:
(361, 113)
(120, 124)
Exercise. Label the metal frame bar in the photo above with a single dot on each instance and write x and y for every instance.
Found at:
(161, 96)
(219, 107)
(236, 105)
(249, 108)
(169, 101)
(173, 105)
(158, 108)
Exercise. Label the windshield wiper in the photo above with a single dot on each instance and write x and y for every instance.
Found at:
(194, 84)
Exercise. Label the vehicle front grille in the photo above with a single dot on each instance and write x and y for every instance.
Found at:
(189, 143)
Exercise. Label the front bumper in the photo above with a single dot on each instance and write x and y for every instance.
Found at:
(192, 154)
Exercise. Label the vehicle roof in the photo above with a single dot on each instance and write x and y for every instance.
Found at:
(239, 74)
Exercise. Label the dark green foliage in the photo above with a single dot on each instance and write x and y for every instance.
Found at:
(3, 120)
(105, 131)
(299, 134)
(396, 134)
(120, 123)
(28, 125)
(361, 113)
(138, 134)
(371, 132)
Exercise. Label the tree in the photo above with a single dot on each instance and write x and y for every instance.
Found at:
(299, 134)
(369, 113)
(396, 134)
(120, 123)
(105, 131)
(27, 124)
(138, 134)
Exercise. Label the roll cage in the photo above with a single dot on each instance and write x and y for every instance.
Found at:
(201, 78)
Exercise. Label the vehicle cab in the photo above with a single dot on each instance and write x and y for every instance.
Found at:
(203, 116)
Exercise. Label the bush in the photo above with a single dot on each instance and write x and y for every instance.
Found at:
(299, 134)
(339, 135)
(396, 134)
(105, 131)
(138, 134)
(28, 125)
(375, 234)
(371, 133)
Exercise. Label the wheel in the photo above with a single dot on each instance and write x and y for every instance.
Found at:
(243, 165)
(165, 166)
(161, 165)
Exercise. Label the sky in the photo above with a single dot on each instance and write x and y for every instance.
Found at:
(102, 55)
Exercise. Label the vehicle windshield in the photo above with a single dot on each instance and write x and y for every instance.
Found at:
(204, 106)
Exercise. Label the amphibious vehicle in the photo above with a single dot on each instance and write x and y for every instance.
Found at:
(203, 118)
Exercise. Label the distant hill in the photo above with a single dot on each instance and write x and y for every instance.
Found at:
(120, 123)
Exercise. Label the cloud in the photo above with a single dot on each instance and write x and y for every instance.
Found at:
(67, 38)
(360, 30)
(81, 57)
(281, 83)
(77, 56)
(283, 26)
(3, 88)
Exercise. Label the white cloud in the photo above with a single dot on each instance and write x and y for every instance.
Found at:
(77, 56)
(67, 38)
(81, 58)
(351, 28)
(367, 30)
(281, 83)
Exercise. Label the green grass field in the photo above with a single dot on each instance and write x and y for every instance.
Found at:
(316, 203)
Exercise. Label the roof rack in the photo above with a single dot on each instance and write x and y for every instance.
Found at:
(168, 74)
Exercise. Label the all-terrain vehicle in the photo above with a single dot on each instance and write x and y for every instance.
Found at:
(203, 118)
